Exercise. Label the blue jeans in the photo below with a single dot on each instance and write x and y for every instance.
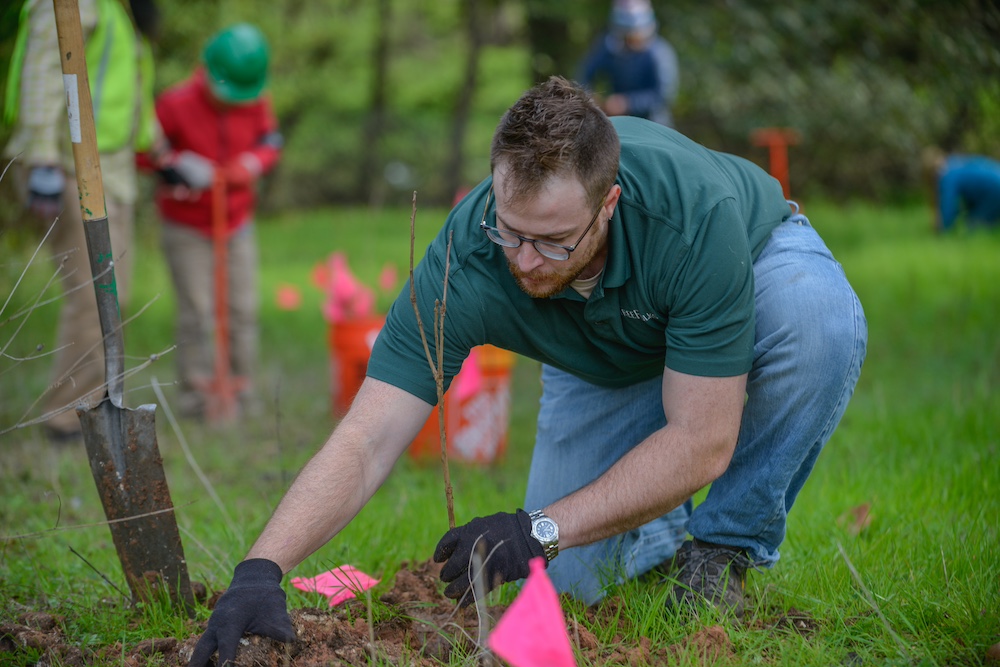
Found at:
(810, 343)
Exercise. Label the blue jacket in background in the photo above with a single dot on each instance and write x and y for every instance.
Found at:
(648, 78)
(969, 184)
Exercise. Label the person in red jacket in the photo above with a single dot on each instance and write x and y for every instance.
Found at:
(220, 126)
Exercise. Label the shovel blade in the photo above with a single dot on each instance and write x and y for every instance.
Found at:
(128, 471)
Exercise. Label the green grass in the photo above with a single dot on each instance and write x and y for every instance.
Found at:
(919, 445)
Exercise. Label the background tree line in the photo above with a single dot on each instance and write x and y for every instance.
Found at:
(379, 98)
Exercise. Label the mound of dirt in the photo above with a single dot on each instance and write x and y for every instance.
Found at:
(412, 624)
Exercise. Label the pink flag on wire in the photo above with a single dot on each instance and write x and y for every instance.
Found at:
(532, 632)
(288, 297)
(387, 278)
(469, 380)
(339, 584)
(346, 297)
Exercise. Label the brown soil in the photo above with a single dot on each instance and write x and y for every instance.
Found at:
(413, 625)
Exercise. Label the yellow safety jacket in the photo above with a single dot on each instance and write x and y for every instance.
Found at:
(117, 60)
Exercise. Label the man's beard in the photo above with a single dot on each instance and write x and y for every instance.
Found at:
(543, 286)
(553, 284)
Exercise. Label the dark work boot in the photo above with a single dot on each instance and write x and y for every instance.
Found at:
(703, 571)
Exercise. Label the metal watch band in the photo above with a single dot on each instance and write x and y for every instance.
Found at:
(550, 548)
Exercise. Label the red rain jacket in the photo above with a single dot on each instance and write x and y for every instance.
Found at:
(193, 120)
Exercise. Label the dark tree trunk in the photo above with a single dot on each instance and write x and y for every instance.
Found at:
(548, 38)
(463, 103)
(370, 181)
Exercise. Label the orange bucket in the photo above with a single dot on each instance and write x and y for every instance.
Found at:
(351, 344)
(476, 406)
(476, 419)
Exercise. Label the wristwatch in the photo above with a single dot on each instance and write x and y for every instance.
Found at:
(546, 531)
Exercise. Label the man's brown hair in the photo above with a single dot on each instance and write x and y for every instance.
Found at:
(556, 129)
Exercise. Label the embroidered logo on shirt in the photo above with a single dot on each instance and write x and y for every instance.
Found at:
(636, 315)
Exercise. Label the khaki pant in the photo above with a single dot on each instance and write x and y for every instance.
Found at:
(78, 370)
(189, 255)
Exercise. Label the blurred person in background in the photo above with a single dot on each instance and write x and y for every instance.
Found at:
(120, 72)
(218, 124)
(636, 65)
(962, 186)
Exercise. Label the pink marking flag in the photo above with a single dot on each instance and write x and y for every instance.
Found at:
(288, 297)
(339, 584)
(532, 633)
(387, 279)
(346, 297)
(469, 380)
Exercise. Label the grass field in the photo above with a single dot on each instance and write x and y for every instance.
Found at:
(893, 548)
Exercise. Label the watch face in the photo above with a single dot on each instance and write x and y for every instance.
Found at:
(545, 529)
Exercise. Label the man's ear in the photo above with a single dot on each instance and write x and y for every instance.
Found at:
(611, 201)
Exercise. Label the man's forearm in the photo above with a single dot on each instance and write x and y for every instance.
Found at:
(337, 482)
(323, 499)
(655, 477)
(664, 470)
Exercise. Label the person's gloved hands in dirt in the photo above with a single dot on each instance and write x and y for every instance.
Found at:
(254, 603)
(507, 546)
(45, 190)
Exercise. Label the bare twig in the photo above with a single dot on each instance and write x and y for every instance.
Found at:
(190, 457)
(371, 628)
(480, 590)
(30, 262)
(436, 370)
(40, 354)
(29, 309)
(223, 567)
(63, 257)
(41, 533)
(9, 163)
(23, 422)
(99, 573)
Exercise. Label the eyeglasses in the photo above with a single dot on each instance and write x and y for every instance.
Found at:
(508, 239)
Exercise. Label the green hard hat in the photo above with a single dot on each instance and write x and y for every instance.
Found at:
(236, 62)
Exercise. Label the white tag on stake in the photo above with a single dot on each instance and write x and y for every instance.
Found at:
(72, 107)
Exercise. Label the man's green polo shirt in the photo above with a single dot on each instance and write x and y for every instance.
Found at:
(677, 289)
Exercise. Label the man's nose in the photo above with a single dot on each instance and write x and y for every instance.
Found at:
(528, 257)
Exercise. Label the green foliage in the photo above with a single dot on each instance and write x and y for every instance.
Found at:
(866, 84)
(321, 86)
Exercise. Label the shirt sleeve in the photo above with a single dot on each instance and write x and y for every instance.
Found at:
(710, 326)
(398, 356)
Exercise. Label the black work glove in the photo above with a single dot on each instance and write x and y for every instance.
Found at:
(254, 603)
(171, 176)
(507, 548)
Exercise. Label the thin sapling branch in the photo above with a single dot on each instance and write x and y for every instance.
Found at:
(437, 370)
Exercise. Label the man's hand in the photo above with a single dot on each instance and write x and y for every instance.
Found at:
(507, 546)
(615, 105)
(254, 603)
(242, 170)
(45, 190)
